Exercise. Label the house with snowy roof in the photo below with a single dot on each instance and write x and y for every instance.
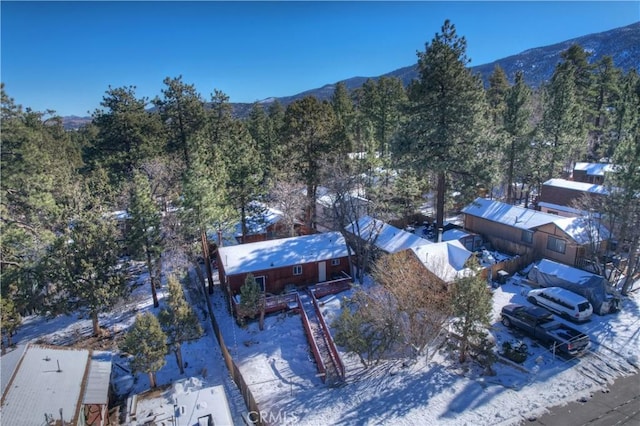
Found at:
(593, 173)
(517, 230)
(384, 237)
(54, 385)
(265, 223)
(276, 264)
(446, 260)
(559, 196)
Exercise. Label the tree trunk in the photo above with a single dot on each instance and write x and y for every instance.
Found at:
(207, 259)
(510, 199)
(152, 280)
(440, 204)
(631, 266)
(95, 324)
(152, 379)
(178, 352)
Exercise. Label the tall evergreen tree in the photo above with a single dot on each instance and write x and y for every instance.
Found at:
(498, 86)
(182, 110)
(605, 95)
(343, 108)
(127, 133)
(516, 123)
(84, 265)
(144, 235)
(146, 341)
(623, 203)
(38, 189)
(382, 103)
(562, 122)
(446, 131)
(309, 130)
(245, 173)
(178, 320)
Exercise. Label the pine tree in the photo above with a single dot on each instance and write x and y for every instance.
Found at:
(144, 235)
(516, 118)
(381, 102)
(605, 94)
(245, 173)
(308, 134)
(623, 204)
(178, 320)
(446, 130)
(38, 192)
(9, 322)
(85, 266)
(563, 122)
(127, 133)
(146, 341)
(498, 86)
(471, 305)
(183, 114)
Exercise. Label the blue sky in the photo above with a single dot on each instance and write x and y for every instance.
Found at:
(64, 55)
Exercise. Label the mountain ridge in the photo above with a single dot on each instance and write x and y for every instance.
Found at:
(537, 64)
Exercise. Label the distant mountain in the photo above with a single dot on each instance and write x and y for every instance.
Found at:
(622, 44)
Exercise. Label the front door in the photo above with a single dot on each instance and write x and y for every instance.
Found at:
(322, 271)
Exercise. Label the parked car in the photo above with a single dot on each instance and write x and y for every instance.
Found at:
(539, 324)
(567, 304)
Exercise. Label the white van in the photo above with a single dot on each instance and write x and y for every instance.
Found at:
(565, 303)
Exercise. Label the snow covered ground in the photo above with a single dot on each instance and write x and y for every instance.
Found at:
(279, 368)
(281, 373)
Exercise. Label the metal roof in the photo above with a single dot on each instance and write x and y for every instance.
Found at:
(97, 389)
(271, 254)
(47, 383)
(507, 214)
(384, 236)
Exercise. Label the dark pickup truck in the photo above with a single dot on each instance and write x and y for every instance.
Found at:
(539, 324)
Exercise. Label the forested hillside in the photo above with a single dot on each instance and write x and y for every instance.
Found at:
(182, 171)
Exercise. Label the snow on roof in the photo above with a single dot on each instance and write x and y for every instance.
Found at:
(263, 255)
(454, 234)
(8, 363)
(507, 214)
(259, 222)
(195, 402)
(576, 186)
(389, 238)
(594, 169)
(446, 260)
(39, 388)
(97, 390)
(565, 272)
(583, 230)
(566, 209)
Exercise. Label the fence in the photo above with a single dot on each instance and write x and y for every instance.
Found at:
(231, 365)
(512, 266)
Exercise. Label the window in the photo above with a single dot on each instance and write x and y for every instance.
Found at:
(261, 282)
(527, 236)
(297, 270)
(335, 262)
(556, 244)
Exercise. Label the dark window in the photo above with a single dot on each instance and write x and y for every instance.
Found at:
(335, 262)
(297, 270)
(583, 306)
(556, 244)
(261, 282)
(527, 236)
